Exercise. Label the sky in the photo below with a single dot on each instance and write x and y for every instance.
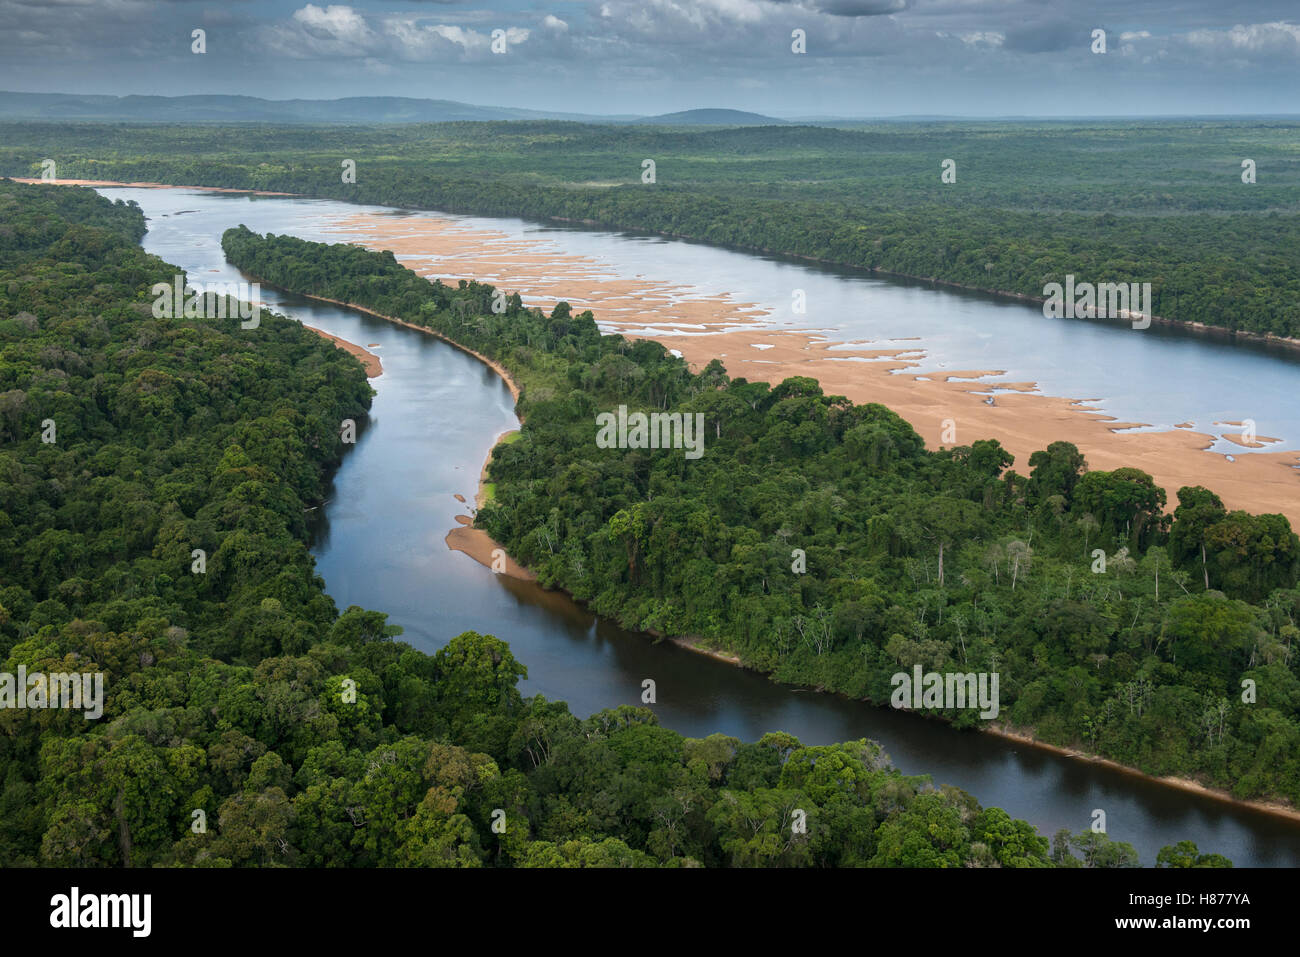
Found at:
(862, 58)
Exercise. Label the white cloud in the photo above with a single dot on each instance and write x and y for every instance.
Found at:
(1266, 39)
(340, 31)
(983, 38)
(334, 24)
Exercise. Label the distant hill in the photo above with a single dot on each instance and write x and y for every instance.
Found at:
(711, 118)
(221, 108)
(253, 109)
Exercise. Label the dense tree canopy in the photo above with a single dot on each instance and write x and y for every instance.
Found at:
(246, 722)
(1114, 626)
(1158, 201)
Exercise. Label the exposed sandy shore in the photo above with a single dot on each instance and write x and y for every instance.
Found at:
(1184, 784)
(110, 182)
(494, 366)
(643, 302)
(480, 546)
(374, 367)
(701, 328)
(474, 542)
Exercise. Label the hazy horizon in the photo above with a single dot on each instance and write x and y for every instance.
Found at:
(863, 59)
(702, 107)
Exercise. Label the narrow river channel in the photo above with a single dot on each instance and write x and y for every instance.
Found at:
(379, 543)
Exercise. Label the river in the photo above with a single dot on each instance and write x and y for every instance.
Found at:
(379, 543)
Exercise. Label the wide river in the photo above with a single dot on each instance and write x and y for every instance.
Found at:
(380, 539)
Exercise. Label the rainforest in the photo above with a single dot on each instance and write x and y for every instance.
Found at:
(1152, 200)
(249, 722)
(945, 559)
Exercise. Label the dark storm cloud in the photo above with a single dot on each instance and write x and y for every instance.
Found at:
(1046, 37)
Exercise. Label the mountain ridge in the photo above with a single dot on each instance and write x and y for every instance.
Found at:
(369, 110)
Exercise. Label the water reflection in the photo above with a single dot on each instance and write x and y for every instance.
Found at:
(379, 543)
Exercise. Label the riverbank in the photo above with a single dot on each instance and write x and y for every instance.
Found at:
(479, 546)
(495, 366)
(474, 542)
(1275, 808)
(374, 368)
(1193, 327)
(701, 328)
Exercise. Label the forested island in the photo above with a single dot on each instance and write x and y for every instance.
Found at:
(1173, 654)
(247, 722)
(1159, 201)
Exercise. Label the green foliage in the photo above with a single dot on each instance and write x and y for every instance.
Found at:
(1187, 854)
(945, 559)
(248, 724)
(1092, 849)
(1156, 201)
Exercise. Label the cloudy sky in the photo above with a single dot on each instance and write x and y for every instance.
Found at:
(863, 57)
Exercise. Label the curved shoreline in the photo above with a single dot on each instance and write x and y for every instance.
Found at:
(492, 364)
(1022, 418)
(374, 367)
(1273, 808)
(474, 542)
(477, 543)
(1192, 326)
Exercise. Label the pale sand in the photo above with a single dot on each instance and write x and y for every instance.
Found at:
(374, 367)
(1020, 419)
(1269, 479)
(1023, 423)
(480, 546)
(474, 542)
(1261, 441)
(494, 366)
(1278, 808)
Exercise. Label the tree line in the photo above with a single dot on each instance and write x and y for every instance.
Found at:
(1155, 201)
(247, 722)
(821, 541)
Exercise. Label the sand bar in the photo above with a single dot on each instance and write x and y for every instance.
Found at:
(368, 359)
(481, 547)
(702, 327)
